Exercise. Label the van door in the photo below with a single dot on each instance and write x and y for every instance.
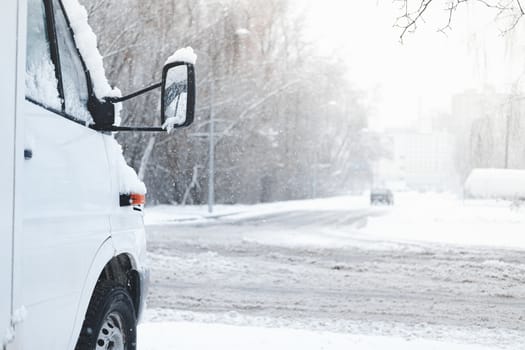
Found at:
(66, 182)
(8, 96)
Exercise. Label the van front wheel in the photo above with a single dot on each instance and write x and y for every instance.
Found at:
(110, 321)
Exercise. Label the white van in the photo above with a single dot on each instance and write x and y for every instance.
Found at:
(72, 243)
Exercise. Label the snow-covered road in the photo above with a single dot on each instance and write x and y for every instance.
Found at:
(316, 270)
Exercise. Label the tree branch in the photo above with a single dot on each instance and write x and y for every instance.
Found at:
(408, 20)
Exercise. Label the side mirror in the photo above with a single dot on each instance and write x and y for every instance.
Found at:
(178, 95)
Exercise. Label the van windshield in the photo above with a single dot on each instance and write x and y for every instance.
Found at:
(41, 81)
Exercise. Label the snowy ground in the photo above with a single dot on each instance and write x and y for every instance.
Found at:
(432, 272)
(172, 214)
(445, 219)
(193, 335)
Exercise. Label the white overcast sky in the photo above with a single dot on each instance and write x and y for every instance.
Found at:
(423, 73)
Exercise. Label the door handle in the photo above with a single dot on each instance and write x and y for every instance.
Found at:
(28, 154)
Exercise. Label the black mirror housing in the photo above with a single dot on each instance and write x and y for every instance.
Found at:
(103, 113)
(177, 95)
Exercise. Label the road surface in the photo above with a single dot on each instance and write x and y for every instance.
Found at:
(311, 268)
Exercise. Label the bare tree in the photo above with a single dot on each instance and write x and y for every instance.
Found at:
(413, 12)
(269, 91)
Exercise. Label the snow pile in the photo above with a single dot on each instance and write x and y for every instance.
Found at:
(416, 217)
(183, 55)
(128, 180)
(180, 214)
(496, 183)
(196, 336)
(9, 336)
(177, 214)
(441, 218)
(493, 338)
(19, 315)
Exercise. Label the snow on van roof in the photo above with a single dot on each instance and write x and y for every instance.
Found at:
(86, 42)
(496, 183)
(185, 54)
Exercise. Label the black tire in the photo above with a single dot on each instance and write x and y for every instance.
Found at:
(110, 314)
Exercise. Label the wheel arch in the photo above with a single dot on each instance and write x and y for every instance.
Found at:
(108, 265)
(122, 269)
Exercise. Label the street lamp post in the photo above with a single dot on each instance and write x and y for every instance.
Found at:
(211, 160)
(315, 152)
(314, 182)
(211, 137)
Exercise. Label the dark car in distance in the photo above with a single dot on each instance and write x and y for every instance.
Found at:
(381, 196)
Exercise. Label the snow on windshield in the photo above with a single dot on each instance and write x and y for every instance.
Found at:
(40, 80)
(41, 83)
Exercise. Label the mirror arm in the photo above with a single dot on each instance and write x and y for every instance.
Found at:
(113, 128)
(137, 128)
(134, 94)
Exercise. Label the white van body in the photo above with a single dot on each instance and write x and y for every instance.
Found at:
(61, 224)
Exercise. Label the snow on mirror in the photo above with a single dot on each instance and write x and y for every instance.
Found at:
(175, 97)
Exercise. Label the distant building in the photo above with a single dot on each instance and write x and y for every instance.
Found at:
(422, 161)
